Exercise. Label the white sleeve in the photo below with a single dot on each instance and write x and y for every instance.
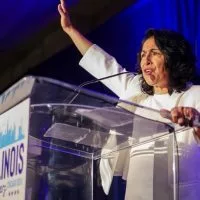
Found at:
(100, 64)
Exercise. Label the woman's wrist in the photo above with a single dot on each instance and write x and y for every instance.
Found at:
(69, 30)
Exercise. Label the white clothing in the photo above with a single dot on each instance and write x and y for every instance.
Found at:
(127, 86)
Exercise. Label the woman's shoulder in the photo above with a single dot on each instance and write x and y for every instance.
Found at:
(192, 94)
(194, 89)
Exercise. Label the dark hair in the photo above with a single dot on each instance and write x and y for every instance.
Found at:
(179, 59)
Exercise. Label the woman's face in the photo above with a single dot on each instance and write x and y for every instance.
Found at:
(153, 65)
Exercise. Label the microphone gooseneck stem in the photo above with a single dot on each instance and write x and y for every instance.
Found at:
(77, 90)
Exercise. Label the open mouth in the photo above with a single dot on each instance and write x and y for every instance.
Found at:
(148, 71)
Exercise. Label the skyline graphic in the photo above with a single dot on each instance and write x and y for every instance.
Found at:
(10, 135)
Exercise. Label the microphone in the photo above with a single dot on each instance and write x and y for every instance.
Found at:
(78, 89)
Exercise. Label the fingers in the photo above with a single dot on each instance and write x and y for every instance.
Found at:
(183, 116)
(166, 114)
(62, 8)
(176, 114)
(188, 112)
(62, 3)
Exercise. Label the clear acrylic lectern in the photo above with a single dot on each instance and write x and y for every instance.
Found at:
(62, 142)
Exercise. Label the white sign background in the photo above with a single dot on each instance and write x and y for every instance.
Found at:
(14, 134)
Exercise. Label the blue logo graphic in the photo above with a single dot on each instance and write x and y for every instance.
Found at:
(10, 136)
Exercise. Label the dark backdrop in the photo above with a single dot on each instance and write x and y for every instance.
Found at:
(121, 36)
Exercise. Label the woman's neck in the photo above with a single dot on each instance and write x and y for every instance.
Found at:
(159, 90)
